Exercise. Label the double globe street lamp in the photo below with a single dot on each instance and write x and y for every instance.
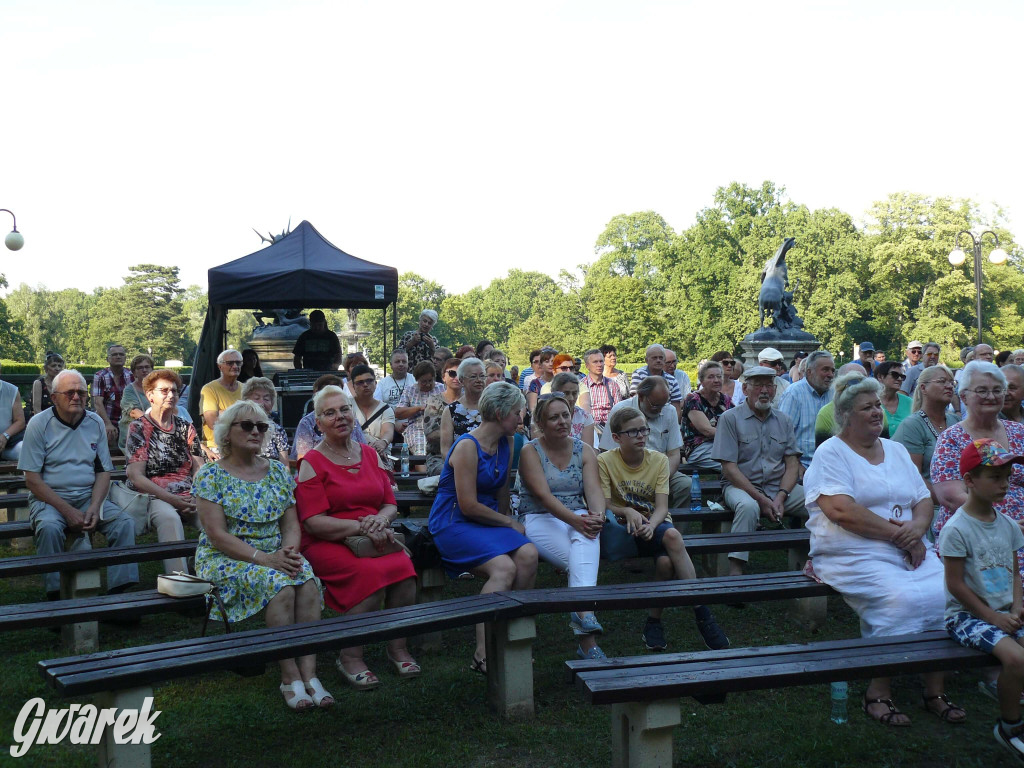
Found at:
(958, 257)
(14, 240)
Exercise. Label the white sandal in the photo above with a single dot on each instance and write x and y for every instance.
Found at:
(298, 691)
(318, 693)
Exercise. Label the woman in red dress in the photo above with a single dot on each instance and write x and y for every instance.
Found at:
(343, 491)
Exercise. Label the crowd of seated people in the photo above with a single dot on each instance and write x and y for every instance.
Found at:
(604, 460)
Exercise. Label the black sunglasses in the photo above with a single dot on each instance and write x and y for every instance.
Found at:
(261, 426)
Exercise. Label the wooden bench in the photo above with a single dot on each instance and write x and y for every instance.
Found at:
(55, 613)
(80, 577)
(124, 678)
(16, 529)
(13, 482)
(644, 691)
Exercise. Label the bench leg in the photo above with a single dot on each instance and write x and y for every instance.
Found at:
(82, 637)
(721, 560)
(20, 515)
(111, 754)
(642, 733)
(430, 585)
(510, 666)
(810, 612)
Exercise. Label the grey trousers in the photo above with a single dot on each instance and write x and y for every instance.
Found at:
(746, 512)
(50, 531)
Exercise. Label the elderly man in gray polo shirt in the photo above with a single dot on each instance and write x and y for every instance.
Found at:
(652, 398)
(760, 459)
(67, 469)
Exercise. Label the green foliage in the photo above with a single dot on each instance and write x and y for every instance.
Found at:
(12, 367)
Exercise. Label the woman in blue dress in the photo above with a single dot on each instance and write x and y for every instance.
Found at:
(469, 520)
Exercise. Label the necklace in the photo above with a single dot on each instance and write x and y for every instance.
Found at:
(336, 452)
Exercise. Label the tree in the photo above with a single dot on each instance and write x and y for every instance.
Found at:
(14, 343)
(145, 315)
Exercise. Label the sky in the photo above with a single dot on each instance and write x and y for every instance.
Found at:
(460, 140)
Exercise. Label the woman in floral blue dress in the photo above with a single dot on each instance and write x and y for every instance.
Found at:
(249, 546)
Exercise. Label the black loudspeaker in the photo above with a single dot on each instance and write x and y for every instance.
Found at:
(292, 407)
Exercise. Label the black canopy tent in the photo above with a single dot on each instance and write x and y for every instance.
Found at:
(300, 270)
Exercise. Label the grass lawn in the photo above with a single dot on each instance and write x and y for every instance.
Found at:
(440, 719)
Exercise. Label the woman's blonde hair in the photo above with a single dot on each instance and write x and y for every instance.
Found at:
(237, 411)
(927, 375)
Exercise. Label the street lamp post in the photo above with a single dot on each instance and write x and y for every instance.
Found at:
(958, 257)
(14, 240)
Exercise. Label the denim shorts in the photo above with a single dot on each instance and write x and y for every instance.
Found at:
(972, 632)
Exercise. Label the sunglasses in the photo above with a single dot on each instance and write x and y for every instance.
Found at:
(261, 426)
(898, 376)
(452, 373)
(71, 394)
(565, 368)
(724, 362)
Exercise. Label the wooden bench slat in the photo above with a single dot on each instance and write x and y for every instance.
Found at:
(89, 559)
(727, 589)
(98, 608)
(156, 663)
(734, 670)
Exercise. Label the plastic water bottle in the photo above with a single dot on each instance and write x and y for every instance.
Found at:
(839, 713)
(405, 459)
(695, 493)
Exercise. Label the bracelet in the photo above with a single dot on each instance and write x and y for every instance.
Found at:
(254, 553)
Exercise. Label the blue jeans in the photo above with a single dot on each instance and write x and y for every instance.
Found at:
(50, 530)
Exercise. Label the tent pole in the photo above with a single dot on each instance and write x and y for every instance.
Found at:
(384, 338)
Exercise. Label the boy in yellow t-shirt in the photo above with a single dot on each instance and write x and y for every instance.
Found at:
(635, 482)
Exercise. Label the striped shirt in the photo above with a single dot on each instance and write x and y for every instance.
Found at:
(675, 394)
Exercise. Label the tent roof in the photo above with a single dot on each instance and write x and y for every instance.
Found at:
(302, 270)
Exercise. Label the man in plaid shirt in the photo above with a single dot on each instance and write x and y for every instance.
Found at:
(597, 393)
(107, 387)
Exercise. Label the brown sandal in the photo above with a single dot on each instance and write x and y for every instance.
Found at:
(947, 714)
(886, 717)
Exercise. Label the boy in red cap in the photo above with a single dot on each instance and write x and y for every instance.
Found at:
(983, 588)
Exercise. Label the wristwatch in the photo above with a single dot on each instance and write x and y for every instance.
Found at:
(7, 437)
(783, 490)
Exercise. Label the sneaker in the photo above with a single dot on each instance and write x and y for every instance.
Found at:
(654, 635)
(990, 689)
(591, 655)
(1011, 738)
(585, 625)
(714, 637)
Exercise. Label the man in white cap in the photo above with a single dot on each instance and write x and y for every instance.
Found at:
(756, 445)
(928, 358)
(770, 357)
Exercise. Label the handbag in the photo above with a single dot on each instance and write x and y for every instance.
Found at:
(363, 546)
(179, 584)
(132, 503)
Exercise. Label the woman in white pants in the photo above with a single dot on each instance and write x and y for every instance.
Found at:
(563, 506)
(163, 454)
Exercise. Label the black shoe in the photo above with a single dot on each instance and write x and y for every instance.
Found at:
(654, 635)
(714, 637)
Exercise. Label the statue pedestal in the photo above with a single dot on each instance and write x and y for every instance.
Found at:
(787, 342)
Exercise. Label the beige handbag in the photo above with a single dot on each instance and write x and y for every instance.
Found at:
(363, 546)
(132, 503)
(180, 584)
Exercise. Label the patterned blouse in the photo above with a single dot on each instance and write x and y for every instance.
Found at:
(167, 455)
(695, 402)
(420, 350)
(463, 419)
(414, 397)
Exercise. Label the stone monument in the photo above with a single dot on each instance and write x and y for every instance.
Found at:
(353, 338)
(274, 342)
(775, 305)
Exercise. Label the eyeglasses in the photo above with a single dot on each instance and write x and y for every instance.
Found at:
(477, 377)
(261, 426)
(332, 413)
(233, 363)
(986, 393)
(71, 394)
(942, 383)
(165, 391)
(364, 382)
(634, 433)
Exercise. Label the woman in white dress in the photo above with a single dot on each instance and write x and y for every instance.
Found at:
(869, 511)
